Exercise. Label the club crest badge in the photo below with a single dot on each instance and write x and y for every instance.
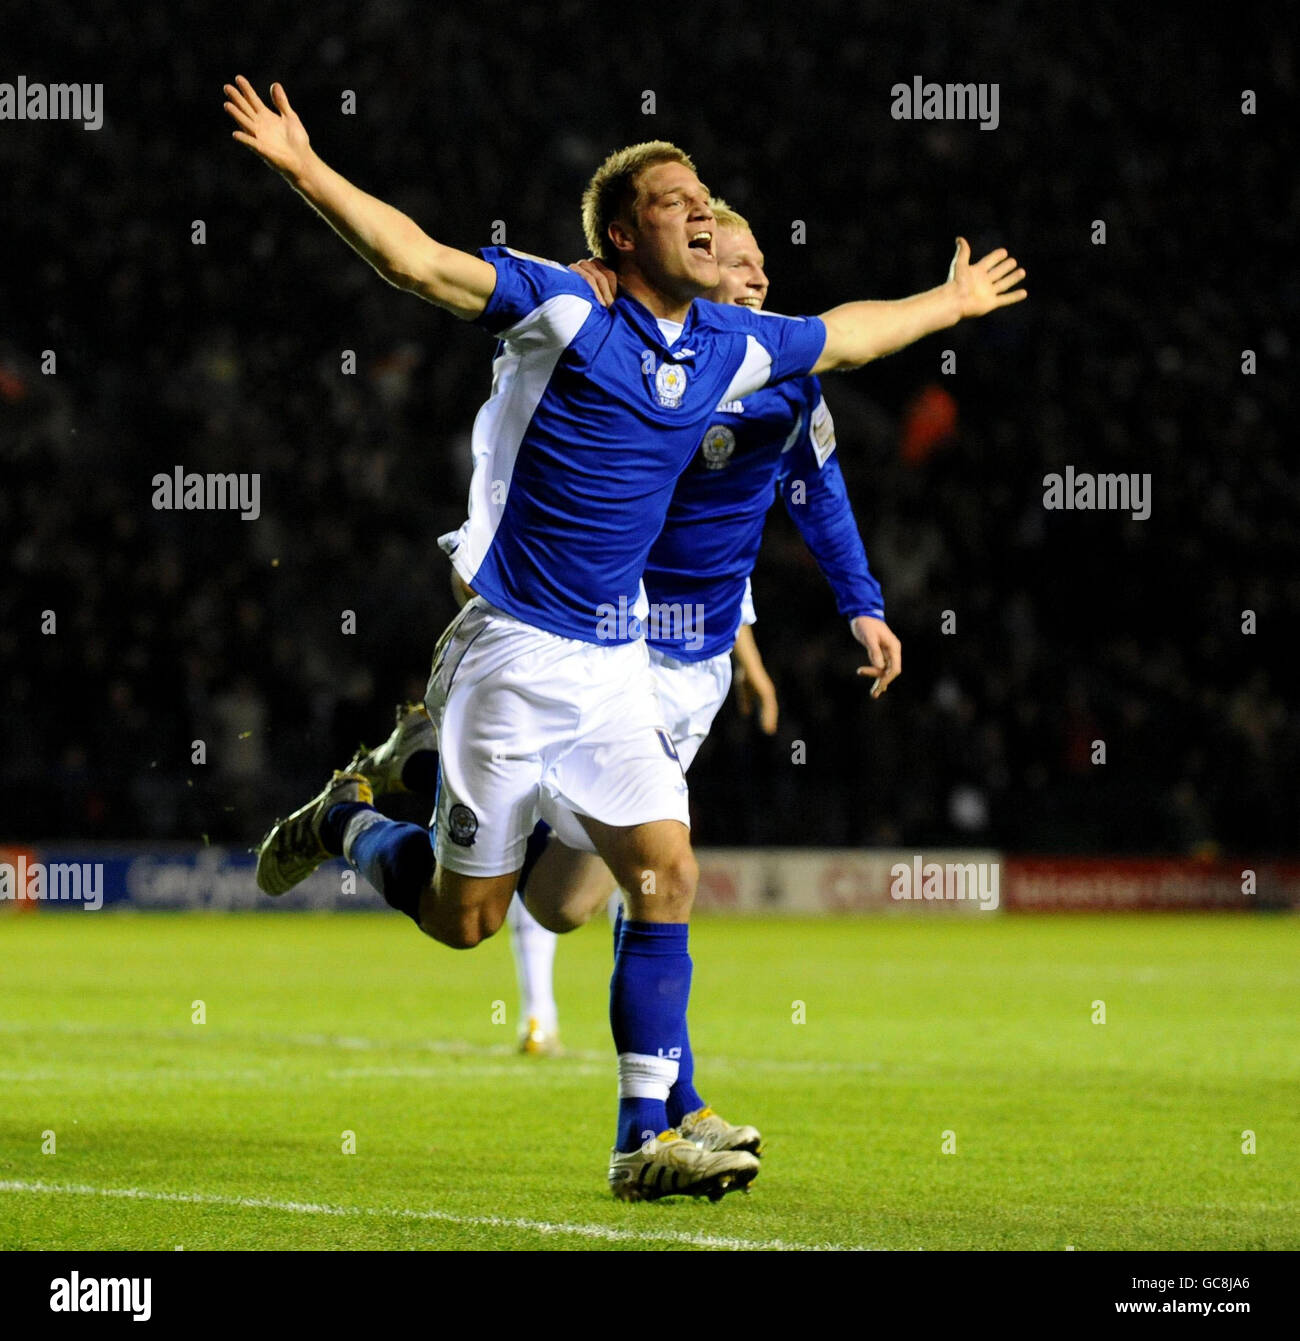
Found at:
(462, 825)
(670, 385)
(717, 447)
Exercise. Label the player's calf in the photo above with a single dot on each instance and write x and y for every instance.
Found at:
(651, 982)
(565, 888)
(462, 911)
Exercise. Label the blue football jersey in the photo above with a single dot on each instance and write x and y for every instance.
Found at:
(781, 438)
(593, 415)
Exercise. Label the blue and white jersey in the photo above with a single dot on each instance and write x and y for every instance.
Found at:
(594, 413)
(697, 577)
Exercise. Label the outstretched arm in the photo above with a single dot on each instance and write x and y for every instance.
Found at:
(394, 244)
(856, 333)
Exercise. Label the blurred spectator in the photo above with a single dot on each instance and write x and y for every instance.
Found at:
(1029, 635)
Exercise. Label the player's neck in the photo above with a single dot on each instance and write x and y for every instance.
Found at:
(660, 304)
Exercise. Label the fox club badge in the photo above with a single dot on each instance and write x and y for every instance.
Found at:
(717, 447)
(462, 824)
(670, 385)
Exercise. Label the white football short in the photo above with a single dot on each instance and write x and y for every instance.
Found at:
(690, 693)
(535, 726)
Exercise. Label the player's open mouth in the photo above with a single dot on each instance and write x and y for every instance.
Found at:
(703, 242)
(748, 301)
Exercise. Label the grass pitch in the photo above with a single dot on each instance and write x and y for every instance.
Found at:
(231, 1133)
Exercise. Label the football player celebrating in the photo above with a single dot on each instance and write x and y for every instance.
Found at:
(780, 440)
(541, 692)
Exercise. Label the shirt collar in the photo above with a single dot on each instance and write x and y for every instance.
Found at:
(643, 321)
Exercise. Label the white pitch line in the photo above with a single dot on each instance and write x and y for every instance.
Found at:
(443, 1047)
(604, 1232)
(471, 1070)
(273, 1076)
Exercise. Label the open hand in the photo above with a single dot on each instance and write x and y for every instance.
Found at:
(603, 280)
(988, 284)
(278, 138)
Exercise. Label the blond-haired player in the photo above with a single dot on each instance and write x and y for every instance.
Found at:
(541, 691)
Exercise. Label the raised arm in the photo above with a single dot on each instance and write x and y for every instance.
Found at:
(394, 244)
(857, 333)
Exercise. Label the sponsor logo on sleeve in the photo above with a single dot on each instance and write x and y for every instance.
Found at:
(821, 428)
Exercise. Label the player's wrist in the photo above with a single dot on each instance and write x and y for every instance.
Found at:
(950, 304)
(305, 177)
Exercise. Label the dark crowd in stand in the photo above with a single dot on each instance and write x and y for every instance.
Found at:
(1029, 635)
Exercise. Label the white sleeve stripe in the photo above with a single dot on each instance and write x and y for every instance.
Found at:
(528, 256)
(753, 372)
(560, 318)
(520, 378)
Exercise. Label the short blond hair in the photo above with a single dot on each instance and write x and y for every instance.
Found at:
(614, 188)
(725, 217)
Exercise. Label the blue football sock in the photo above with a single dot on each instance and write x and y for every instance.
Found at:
(334, 823)
(397, 859)
(648, 994)
(683, 1098)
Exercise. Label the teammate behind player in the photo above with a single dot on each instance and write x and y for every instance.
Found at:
(593, 416)
(780, 440)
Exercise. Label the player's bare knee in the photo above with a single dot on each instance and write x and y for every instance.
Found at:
(461, 928)
(460, 933)
(681, 875)
(559, 920)
(437, 926)
(665, 892)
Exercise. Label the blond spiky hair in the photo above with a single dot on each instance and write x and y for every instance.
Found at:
(613, 189)
(725, 217)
